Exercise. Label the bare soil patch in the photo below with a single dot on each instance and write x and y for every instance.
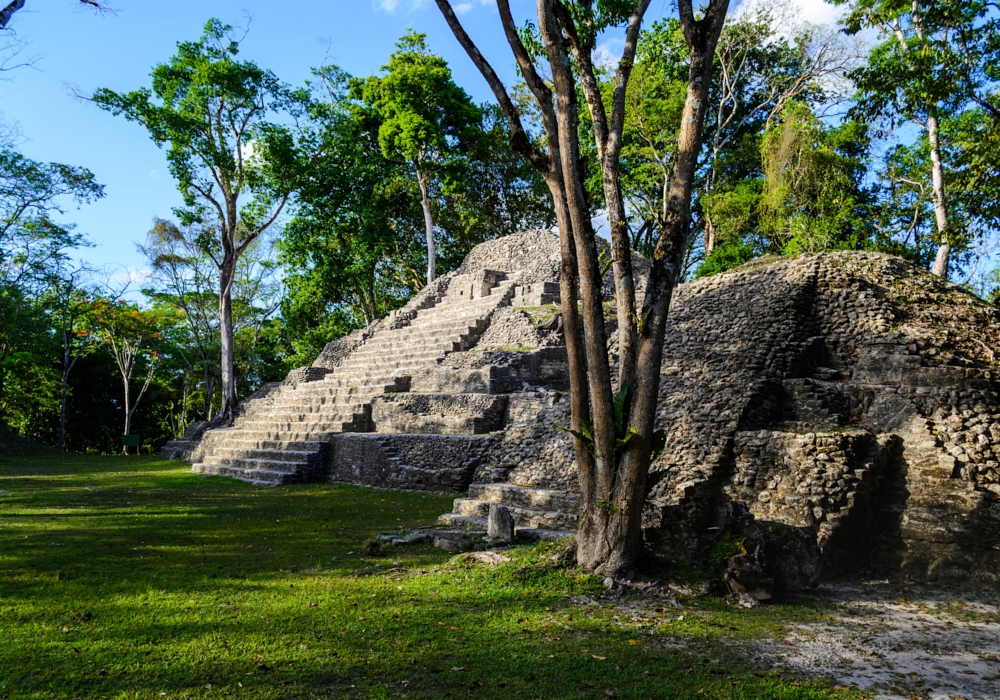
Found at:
(898, 641)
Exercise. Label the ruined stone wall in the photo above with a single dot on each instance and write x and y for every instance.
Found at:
(531, 451)
(821, 352)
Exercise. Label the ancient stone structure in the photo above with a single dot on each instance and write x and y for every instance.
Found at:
(848, 400)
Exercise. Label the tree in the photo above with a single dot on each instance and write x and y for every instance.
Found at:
(30, 193)
(812, 197)
(7, 13)
(183, 280)
(425, 116)
(613, 431)
(129, 334)
(923, 72)
(29, 382)
(348, 249)
(72, 307)
(494, 193)
(767, 61)
(227, 158)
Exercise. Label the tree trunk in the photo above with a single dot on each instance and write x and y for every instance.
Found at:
(363, 298)
(610, 537)
(227, 351)
(128, 410)
(941, 260)
(63, 392)
(596, 474)
(425, 203)
(209, 376)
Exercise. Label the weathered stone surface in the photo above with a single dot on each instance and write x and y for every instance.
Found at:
(500, 523)
(849, 400)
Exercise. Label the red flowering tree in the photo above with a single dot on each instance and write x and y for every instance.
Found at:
(131, 335)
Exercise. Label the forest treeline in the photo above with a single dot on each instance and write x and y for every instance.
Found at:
(309, 211)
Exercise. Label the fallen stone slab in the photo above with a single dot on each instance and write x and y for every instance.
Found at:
(534, 534)
(451, 542)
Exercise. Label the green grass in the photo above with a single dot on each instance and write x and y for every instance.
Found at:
(133, 578)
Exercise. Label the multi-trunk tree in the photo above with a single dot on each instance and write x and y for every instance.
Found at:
(213, 112)
(613, 430)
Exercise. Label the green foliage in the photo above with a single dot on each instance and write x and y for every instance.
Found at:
(211, 111)
(935, 66)
(725, 547)
(424, 113)
(812, 198)
(725, 257)
(30, 192)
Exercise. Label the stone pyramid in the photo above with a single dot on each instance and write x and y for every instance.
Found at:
(848, 400)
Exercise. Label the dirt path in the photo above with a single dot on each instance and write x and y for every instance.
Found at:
(899, 641)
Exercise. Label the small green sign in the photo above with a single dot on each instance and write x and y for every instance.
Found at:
(131, 441)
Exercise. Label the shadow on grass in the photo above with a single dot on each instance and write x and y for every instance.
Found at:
(150, 582)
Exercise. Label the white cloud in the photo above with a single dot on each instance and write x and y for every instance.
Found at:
(819, 11)
(796, 12)
(609, 52)
(393, 6)
(464, 7)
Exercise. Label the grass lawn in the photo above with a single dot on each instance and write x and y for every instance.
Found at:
(130, 577)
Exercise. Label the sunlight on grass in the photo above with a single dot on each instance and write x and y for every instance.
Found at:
(133, 578)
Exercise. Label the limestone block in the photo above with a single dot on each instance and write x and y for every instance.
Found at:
(500, 524)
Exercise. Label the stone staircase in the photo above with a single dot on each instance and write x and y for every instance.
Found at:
(539, 514)
(287, 439)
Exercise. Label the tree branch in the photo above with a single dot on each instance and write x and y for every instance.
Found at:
(519, 141)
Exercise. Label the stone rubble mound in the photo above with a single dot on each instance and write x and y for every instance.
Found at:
(846, 402)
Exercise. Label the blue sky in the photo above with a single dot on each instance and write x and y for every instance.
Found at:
(78, 49)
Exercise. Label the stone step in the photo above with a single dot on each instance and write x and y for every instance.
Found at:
(526, 497)
(311, 403)
(295, 415)
(528, 534)
(461, 323)
(258, 477)
(328, 408)
(283, 445)
(453, 302)
(381, 366)
(270, 465)
(354, 380)
(298, 456)
(420, 339)
(456, 520)
(523, 517)
(414, 343)
(296, 428)
(290, 436)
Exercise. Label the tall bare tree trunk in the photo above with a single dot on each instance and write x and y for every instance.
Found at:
(609, 540)
(365, 308)
(63, 394)
(227, 351)
(128, 409)
(425, 203)
(943, 256)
